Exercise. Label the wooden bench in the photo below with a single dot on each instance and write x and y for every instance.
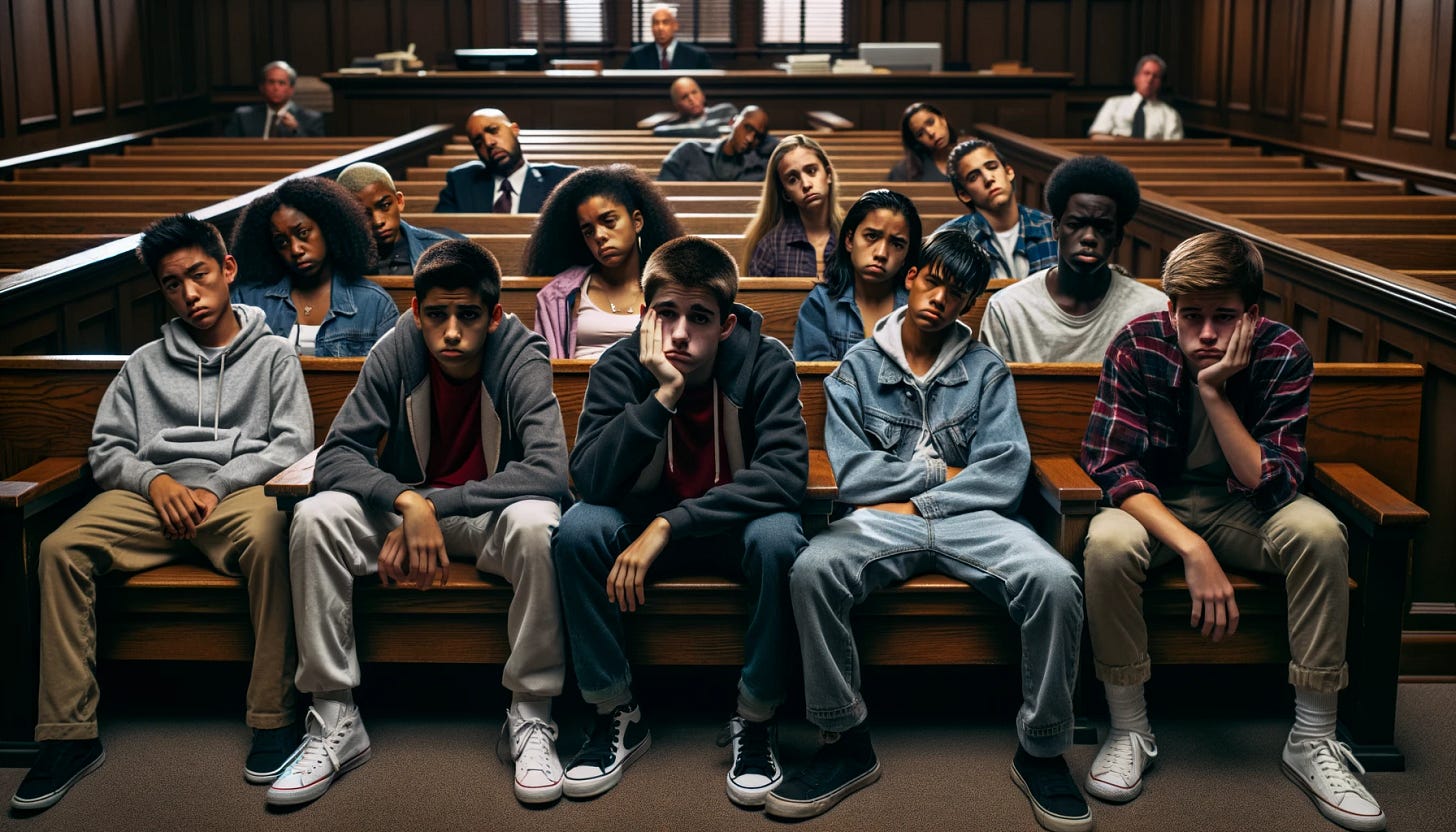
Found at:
(1363, 432)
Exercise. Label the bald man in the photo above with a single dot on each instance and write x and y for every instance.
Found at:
(501, 181)
(694, 116)
(741, 156)
(666, 51)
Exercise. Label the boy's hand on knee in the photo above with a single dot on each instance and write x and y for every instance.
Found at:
(424, 543)
(175, 507)
(391, 557)
(1213, 596)
(206, 502)
(625, 581)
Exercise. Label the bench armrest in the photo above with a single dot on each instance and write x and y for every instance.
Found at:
(1356, 494)
(44, 478)
(1065, 486)
(294, 483)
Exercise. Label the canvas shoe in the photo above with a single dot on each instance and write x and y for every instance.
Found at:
(272, 752)
(531, 740)
(1117, 773)
(755, 771)
(844, 764)
(1056, 802)
(327, 752)
(57, 767)
(617, 740)
(1322, 769)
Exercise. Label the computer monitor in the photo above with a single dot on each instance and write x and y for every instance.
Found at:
(522, 60)
(921, 57)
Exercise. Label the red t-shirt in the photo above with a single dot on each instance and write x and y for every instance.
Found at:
(456, 454)
(692, 466)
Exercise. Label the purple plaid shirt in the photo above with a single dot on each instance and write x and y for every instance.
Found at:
(785, 251)
(1137, 439)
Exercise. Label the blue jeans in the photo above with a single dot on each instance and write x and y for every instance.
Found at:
(1000, 557)
(586, 545)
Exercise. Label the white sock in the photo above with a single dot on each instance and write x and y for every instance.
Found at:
(531, 708)
(614, 703)
(1128, 708)
(1314, 715)
(332, 705)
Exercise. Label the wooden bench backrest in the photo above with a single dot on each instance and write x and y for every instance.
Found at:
(1368, 414)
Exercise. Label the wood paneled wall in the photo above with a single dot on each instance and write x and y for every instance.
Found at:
(75, 70)
(1372, 77)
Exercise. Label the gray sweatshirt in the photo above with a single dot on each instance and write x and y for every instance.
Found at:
(223, 423)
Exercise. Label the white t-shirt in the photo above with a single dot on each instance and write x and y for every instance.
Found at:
(1006, 241)
(1024, 323)
(304, 338)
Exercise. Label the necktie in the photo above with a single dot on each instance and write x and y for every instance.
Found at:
(503, 202)
(1140, 121)
(666, 64)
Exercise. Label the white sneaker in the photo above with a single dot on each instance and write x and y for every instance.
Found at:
(532, 743)
(328, 751)
(1322, 769)
(755, 771)
(1117, 773)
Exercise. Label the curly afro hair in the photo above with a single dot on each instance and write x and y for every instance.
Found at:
(1093, 175)
(556, 243)
(340, 218)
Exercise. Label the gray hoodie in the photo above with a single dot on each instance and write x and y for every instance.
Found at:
(222, 423)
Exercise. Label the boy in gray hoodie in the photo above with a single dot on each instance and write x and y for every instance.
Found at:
(926, 442)
(184, 439)
(473, 466)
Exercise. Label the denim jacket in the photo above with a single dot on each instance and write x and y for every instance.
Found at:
(828, 326)
(360, 313)
(890, 438)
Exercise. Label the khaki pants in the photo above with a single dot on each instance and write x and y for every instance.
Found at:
(1303, 541)
(119, 531)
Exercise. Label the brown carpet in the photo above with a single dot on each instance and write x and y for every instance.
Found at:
(172, 764)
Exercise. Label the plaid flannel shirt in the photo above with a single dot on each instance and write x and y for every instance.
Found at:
(785, 251)
(1036, 242)
(1137, 439)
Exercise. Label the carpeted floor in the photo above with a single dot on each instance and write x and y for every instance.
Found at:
(174, 764)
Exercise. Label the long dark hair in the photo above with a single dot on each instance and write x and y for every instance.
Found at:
(340, 218)
(556, 243)
(915, 156)
(839, 271)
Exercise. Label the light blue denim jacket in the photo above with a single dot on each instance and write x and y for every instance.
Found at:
(890, 438)
(360, 313)
(828, 326)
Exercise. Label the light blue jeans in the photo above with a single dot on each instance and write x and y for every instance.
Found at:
(1000, 557)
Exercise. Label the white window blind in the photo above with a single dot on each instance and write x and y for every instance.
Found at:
(803, 22)
(699, 21)
(560, 21)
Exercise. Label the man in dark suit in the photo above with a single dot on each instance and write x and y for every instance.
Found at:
(502, 182)
(277, 117)
(398, 244)
(666, 51)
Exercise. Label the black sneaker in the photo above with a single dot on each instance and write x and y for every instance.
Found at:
(273, 749)
(755, 771)
(1056, 802)
(58, 766)
(843, 765)
(617, 740)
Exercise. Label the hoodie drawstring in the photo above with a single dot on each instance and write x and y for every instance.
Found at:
(217, 404)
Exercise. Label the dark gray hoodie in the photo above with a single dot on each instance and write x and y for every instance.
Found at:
(223, 423)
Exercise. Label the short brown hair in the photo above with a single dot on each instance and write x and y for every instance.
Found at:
(1214, 261)
(693, 263)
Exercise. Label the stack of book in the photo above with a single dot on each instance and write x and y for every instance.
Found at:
(809, 63)
(852, 66)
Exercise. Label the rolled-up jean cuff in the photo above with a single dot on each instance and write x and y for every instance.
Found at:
(1319, 679)
(754, 708)
(66, 731)
(1045, 740)
(617, 691)
(839, 719)
(1128, 674)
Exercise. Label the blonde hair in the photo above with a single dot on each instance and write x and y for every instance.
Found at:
(774, 202)
(1214, 261)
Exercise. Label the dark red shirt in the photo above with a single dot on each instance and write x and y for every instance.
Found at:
(456, 453)
(692, 466)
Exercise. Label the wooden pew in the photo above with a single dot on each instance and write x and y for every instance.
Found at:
(205, 189)
(1313, 223)
(25, 250)
(1396, 251)
(693, 222)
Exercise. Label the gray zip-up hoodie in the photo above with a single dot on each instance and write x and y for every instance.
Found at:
(223, 423)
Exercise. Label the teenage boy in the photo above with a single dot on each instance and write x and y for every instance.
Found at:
(925, 440)
(1197, 438)
(1019, 240)
(473, 467)
(691, 455)
(184, 439)
(398, 244)
(1071, 311)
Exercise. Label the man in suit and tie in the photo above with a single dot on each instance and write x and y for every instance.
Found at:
(277, 117)
(1141, 115)
(502, 181)
(666, 51)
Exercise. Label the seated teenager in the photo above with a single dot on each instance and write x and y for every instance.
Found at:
(1197, 438)
(594, 233)
(1072, 311)
(397, 244)
(1019, 240)
(691, 456)
(865, 279)
(740, 156)
(792, 233)
(303, 251)
(925, 441)
(473, 468)
(927, 138)
(176, 485)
